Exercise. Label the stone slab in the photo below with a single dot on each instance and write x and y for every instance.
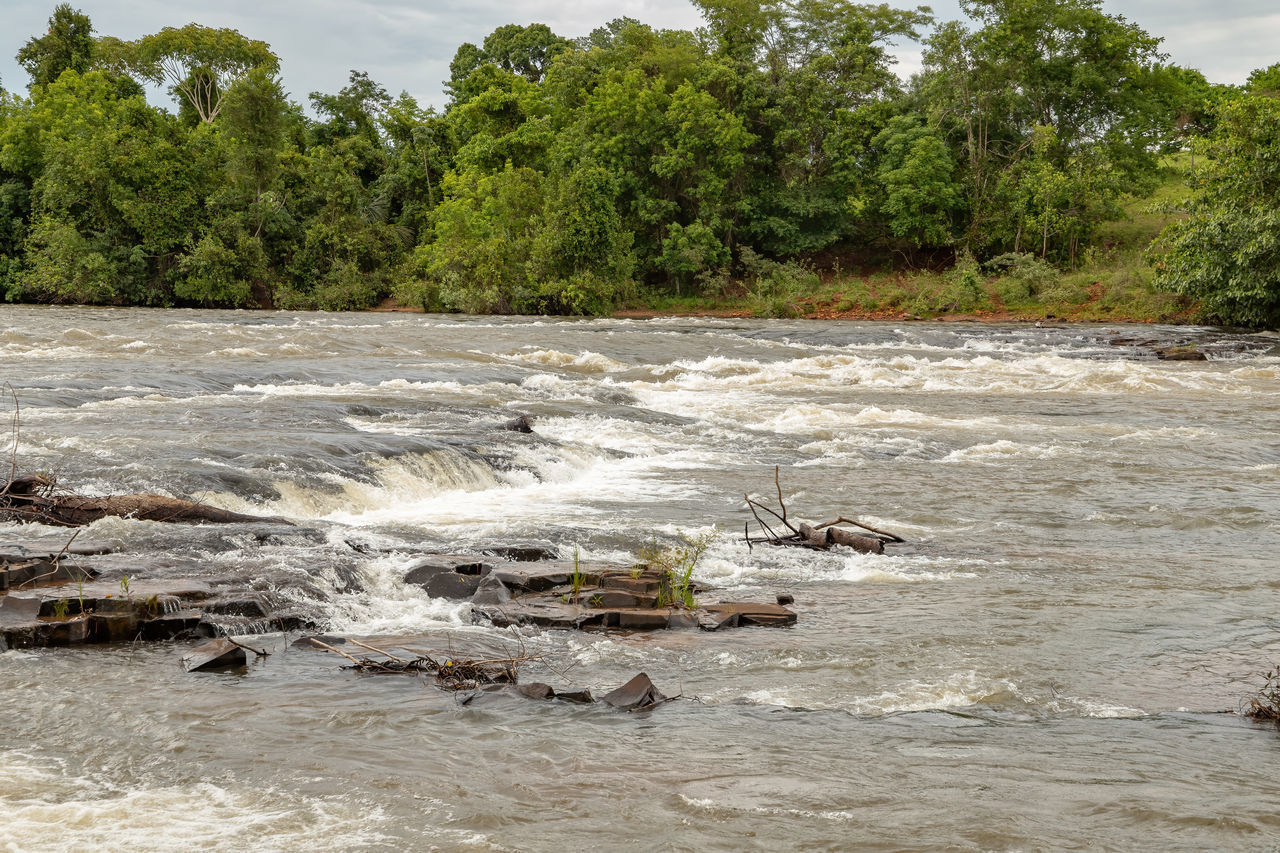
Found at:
(755, 613)
(215, 654)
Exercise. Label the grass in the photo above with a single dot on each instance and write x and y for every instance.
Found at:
(1266, 705)
(675, 564)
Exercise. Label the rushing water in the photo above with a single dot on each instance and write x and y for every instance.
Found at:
(1090, 583)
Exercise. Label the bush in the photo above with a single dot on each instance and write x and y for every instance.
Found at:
(964, 291)
(774, 288)
(1023, 276)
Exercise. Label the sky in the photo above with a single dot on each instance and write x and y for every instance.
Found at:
(407, 45)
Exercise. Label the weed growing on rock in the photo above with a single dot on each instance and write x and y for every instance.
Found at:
(1266, 705)
(675, 564)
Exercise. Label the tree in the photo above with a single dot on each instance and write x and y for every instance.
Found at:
(1226, 252)
(117, 193)
(526, 51)
(1265, 81)
(581, 260)
(200, 63)
(354, 111)
(916, 177)
(483, 240)
(68, 44)
(1064, 65)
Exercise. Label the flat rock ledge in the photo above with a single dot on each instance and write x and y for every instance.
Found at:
(47, 601)
(557, 594)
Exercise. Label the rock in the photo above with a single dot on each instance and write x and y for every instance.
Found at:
(522, 553)
(682, 619)
(19, 608)
(643, 620)
(439, 579)
(41, 571)
(543, 613)
(636, 695)
(578, 697)
(72, 632)
(534, 578)
(170, 625)
(4, 647)
(617, 598)
(327, 639)
(214, 654)
(709, 621)
(750, 613)
(114, 627)
(436, 564)
(786, 598)
(491, 591)
(535, 690)
(640, 584)
(1180, 353)
(524, 424)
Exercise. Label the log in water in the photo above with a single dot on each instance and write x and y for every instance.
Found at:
(1088, 583)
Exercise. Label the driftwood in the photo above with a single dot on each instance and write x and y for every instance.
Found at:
(451, 673)
(32, 498)
(818, 537)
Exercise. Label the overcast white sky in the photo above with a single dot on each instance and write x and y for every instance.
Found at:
(407, 45)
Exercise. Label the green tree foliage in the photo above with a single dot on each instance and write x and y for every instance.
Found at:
(919, 195)
(581, 261)
(565, 176)
(68, 44)
(1264, 81)
(115, 196)
(199, 63)
(1226, 252)
(354, 111)
(1059, 71)
(484, 234)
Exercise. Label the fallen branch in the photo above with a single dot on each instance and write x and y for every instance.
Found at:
(819, 537)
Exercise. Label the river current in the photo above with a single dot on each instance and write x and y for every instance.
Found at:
(1053, 661)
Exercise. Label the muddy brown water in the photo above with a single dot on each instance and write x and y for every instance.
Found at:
(1090, 587)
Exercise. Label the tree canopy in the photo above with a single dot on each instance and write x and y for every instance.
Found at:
(564, 175)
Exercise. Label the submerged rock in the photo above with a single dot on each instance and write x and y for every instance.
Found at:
(1180, 353)
(521, 553)
(523, 423)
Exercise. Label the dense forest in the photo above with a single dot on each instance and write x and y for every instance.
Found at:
(572, 176)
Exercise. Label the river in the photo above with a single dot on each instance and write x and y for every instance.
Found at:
(1052, 661)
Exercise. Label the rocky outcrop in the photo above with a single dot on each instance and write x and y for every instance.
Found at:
(560, 594)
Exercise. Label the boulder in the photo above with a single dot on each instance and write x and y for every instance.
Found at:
(524, 423)
(637, 694)
(535, 578)
(643, 619)
(439, 579)
(1180, 353)
(535, 690)
(491, 590)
